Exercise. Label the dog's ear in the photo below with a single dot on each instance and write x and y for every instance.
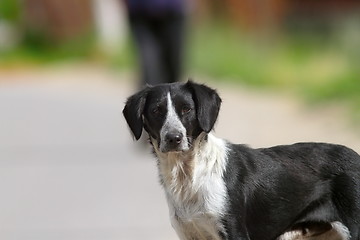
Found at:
(133, 112)
(207, 103)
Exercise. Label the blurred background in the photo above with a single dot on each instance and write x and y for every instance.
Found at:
(287, 71)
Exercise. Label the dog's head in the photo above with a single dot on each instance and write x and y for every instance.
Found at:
(173, 114)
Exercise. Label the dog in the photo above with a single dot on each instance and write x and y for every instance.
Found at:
(219, 190)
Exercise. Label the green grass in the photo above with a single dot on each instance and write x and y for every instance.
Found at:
(223, 54)
(319, 68)
(44, 52)
(10, 10)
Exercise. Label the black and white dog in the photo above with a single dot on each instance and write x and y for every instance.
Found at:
(219, 190)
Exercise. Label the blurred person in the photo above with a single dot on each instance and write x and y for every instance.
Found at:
(158, 28)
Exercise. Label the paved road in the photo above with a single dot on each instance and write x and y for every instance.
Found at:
(68, 167)
(69, 171)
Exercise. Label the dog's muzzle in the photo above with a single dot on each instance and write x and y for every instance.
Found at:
(174, 142)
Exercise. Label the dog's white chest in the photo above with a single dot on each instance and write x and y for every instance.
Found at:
(195, 219)
(196, 192)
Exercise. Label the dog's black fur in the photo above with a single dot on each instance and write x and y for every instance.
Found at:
(274, 188)
(269, 190)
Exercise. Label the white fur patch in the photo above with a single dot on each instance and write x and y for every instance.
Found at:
(338, 232)
(172, 123)
(291, 235)
(195, 189)
(341, 230)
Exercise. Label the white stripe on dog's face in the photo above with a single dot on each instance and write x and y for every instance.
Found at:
(172, 124)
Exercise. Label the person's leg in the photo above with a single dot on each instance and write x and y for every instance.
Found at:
(148, 50)
(172, 46)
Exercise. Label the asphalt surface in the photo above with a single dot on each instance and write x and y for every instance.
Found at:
(70, 171)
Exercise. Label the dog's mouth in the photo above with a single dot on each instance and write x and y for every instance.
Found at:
(163, 147)
(182, 147)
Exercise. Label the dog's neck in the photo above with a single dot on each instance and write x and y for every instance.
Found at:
(184, 173)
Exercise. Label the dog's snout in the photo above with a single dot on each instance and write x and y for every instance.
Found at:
(173, 140)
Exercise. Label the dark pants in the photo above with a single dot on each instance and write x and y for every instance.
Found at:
(159, 41)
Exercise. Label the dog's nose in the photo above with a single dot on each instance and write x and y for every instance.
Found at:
(173, 139)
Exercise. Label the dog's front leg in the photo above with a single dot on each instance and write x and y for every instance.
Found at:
(183, 230)
(189, 230)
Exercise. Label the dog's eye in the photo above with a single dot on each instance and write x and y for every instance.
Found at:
(185, 109)
(157, 110)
